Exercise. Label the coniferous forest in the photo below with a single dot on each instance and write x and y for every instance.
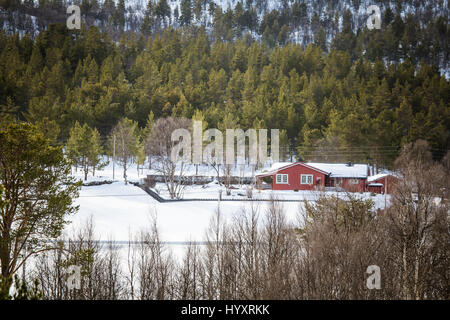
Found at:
(359, 94)
(107, 97)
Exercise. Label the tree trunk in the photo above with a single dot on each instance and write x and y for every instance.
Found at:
(416, 274)
(5, 259)
(218, 174)
(125, 172)
(85, 168)
(404, 274)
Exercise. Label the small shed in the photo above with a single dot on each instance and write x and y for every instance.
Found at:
(380, 183)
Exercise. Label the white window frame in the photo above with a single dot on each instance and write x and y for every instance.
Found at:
(282, 175)
(306, 176)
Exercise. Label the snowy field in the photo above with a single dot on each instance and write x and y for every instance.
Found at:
(119, 210)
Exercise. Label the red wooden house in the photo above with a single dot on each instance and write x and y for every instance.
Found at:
(294, 176)
(316, 176)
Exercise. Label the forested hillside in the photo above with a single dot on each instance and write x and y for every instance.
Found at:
(103, 102)
(412, 28)
(338, 91)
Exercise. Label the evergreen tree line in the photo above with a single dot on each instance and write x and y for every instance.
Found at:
(330, 106)
(414, 29)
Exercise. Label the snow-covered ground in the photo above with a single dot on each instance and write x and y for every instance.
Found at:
(213, 189)
(119, 210)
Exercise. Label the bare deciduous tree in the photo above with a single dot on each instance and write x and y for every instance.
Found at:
(101, 274)
(160, 145)
(418, 224)
(126, 140)
(260, 254)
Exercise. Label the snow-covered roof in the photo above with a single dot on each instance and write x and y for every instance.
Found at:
(277, 165)
(377, 176)
(342, 170)
(375, 185)
(273, 168)
(336, 170)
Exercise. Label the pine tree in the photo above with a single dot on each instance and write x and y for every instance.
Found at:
(78, 147)
(320, 39)
(146, 134)
(140, 157)
(119, 15)
(404, 118)
(8, 112)
(41, 174)
(50, 129)
(197, 9)
(84, 148)
(162, 9)
(95, 157)
(148, 21)
(186, 12)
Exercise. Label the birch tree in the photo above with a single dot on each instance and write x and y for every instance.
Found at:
(126, 133)
(161, 145)
(418, 224)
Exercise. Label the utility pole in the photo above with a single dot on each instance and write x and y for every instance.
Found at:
(114, 155)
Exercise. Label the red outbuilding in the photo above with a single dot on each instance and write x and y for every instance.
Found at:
(380, 183)
(345, 176)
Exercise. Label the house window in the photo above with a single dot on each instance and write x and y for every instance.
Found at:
(282, 179)
(354, 181)
(306, 179)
